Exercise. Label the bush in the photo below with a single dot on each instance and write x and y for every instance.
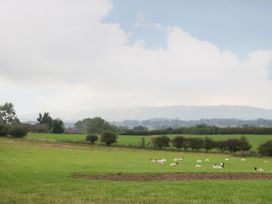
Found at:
(266, 148)
(160, 142)
(208, 144)
(244, 144)
(3, 130)
(92, 138)
(108, 138)
(178, 141)
(18, 131)
(196, 143)
(232, 145)
(57, 126)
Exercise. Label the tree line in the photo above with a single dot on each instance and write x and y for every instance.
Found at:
(200, 130)
(231, 145)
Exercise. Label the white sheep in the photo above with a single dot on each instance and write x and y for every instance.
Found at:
(243, 159)
(207, 159)
(226, 159)
(199, 161)
(219, 166)
(174, 164)
(198, 166)
(258, 169)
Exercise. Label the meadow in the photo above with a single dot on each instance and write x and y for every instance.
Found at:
(41, 172)
(128, 140)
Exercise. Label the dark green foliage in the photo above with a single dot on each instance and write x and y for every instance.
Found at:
(202, 130)
(232, 145)
(94, 125)
(8, 114)
(208, 144)
(244, 144)
(18, 131)
(178, 141)
(57, 126)
(45, 119)
(3, 129)
(108, 138)
(92, 138)
(160, 141)
(219, 145)
(265, 148)
(140, 128)
(196, 143)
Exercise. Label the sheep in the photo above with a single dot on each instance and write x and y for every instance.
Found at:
(174, 164)
(226, 159)
(207, 159)
(161, 161)
(258, 169)
(219, 166)
(243, 159)
(153, 160)
(199, 161)
(178, 159)
(198, 166)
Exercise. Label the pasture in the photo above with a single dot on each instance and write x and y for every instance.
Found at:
(42, 172)
(128, 140)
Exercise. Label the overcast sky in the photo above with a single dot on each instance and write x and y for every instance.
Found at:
(81, 54)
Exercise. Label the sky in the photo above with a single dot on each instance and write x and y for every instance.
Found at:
(60, 55)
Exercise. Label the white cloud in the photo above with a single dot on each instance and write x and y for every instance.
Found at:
(63, 57)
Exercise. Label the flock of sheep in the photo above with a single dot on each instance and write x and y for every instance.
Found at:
(220, 165)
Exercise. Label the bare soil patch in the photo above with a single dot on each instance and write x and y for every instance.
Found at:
(176, 176)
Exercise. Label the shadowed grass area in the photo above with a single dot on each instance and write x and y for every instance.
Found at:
(38, 172)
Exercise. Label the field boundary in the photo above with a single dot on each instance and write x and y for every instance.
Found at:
(176, 176)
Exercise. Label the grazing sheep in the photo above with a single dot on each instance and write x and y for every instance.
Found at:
(198, 166)
(219, 166)
(199, 161)
(226, 159)
(174, 164)
(207, 159)
(258, 169)
(153, 160)
(178, 159)
(161, 161)
(243, 159)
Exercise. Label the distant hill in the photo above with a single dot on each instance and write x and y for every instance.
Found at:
(168, 112)
(170, 116)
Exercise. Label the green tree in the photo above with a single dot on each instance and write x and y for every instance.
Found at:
(178, 141)
(160, 141)
(108, 138)
(8, 114)
(45, 119)
(3, 129)
(266, 148)
(244, 144)
(208, 144)
(57, 126)
(18, 131)
(92, 138)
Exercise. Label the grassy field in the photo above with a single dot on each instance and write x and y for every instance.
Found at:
(40, 172)
(128, 140)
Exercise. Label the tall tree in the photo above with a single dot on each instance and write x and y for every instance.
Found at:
(8, 114)
(57, 126)
(45, 119)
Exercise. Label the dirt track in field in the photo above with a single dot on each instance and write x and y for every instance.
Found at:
(177, 176)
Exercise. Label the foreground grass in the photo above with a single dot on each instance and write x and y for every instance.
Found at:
(128, 140)
(39, 172)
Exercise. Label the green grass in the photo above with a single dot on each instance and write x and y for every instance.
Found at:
(128, 140)
(40, 172)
